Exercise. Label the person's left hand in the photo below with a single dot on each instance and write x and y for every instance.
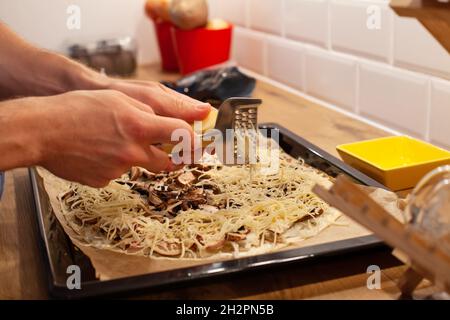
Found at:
(164, 101)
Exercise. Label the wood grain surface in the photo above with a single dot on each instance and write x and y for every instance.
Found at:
(22, 273)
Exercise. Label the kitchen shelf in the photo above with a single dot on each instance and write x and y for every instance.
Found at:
(433, 14)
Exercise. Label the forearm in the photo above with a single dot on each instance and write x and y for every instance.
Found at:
(20, 137)
(28, 71)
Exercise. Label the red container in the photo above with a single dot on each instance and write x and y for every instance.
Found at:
(166, 46)
(200, 48)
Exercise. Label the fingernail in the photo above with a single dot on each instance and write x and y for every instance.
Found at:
(203, 107)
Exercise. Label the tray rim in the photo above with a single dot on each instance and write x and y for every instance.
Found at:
(209, 269)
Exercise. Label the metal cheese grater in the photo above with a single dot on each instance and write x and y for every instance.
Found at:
(240, 115)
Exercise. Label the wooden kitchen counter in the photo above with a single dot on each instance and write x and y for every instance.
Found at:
(22, 274)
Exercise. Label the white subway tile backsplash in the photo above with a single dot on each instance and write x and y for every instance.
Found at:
(361, 27)
(43, 23)
(307, 20)
(308, 59)
(331, 77)
(266, 15)
(396, 98)
(440, 113)
(214, 8)
(248, 49)
(416, 49)
(233, 11)
(284, 62)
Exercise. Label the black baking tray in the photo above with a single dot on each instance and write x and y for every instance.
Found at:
(59, 252)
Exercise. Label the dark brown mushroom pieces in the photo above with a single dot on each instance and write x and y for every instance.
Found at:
(214, 188)
(134, 173)
(201, 167)
(138, 172)
(154, 199)
(141, 187)
(186, 178)
(234, 236)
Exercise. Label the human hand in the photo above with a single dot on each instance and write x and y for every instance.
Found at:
(98, 135)
(164, 101)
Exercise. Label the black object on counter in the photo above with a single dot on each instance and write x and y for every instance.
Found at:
(214, 85)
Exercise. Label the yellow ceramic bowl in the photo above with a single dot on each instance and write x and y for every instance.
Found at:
(398, 162)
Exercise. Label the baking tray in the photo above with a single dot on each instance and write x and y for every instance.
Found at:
(59, 252)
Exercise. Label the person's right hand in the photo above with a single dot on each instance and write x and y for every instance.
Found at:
(93, 137)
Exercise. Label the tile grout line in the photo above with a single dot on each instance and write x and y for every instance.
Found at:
(391, 37)
(265, 57)
(346, 55)
(357, 85)
(321, 102)
(303, 64)
(283, 12)
(247, 14)
(329, 46)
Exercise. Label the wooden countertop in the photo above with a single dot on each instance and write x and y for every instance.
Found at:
(22, 274)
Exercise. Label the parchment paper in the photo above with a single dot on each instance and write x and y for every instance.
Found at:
(113, 265)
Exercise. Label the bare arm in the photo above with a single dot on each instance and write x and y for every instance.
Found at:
(101, 137)
(29, 71)
(85, 127)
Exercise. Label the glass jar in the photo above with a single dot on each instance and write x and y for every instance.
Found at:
(428, 208)
(115, 57)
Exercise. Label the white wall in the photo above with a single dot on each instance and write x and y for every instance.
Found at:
(43, 22)
(397, 76)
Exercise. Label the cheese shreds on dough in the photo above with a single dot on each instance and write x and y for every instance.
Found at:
(254, 211)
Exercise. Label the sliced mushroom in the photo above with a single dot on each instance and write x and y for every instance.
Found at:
(138, 172)
(134, 248)
(169, 249)
(186, 178)
(142, 187)
(67, 195)
(135, 173)
(90, 221)
(172, 208)
(160, 218)
(154, 199)
(233, 236)
(216, 245)
(172, 201)
(201, 167)
(215, 189)
(194, 195)
(269, 235)
(185, 205)
(244, 230)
